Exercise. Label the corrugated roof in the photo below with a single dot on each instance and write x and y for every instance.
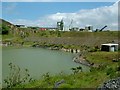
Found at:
(110, 44)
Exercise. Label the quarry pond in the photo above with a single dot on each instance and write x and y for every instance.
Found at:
(38, 61)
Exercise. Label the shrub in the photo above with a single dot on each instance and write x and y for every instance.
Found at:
(5, 29)
(46, 76)
(16, 77)
(76, 69)
(65, 86)
(111, 72)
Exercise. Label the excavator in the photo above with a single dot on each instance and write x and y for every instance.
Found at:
(100, 30)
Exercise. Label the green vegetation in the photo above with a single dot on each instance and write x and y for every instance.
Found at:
(76, 70)
(5, 29)
(93, 79)
(16, 76)
(80, 40)
(103, 66)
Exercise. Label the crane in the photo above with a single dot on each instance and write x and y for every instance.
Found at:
(103, 28)
(70, 25)
(100, 30)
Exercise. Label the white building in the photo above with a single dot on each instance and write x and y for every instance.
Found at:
(89, 28)
(110, 47)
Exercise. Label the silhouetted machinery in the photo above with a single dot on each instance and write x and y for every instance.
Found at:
(100, 30)
(60, 25)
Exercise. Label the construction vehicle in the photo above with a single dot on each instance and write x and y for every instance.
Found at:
(100, 30)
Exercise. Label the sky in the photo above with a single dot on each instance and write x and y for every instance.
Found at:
(59, 0)
(46, 14)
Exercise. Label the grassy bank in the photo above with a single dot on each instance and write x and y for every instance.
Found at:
(105, 68)
(92, 79)
(76, 40)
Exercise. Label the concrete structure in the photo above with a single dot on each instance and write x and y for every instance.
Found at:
(110, 47)
(81, 29)
(89, 28)
(60, 25)
(48, 28)
(74, 29)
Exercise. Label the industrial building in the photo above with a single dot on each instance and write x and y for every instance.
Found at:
(47, 28)
(60, 25)
(74, 29)
(89, 28)
(110, 47)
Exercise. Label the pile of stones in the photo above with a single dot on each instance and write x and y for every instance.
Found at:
(113, 84)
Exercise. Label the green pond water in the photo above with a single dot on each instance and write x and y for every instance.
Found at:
(38, 61)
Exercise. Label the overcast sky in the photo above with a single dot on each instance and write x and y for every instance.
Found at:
(47, 14)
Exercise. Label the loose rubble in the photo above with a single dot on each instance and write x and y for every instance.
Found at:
(113, 84)
(80, 59)
(57, 84)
